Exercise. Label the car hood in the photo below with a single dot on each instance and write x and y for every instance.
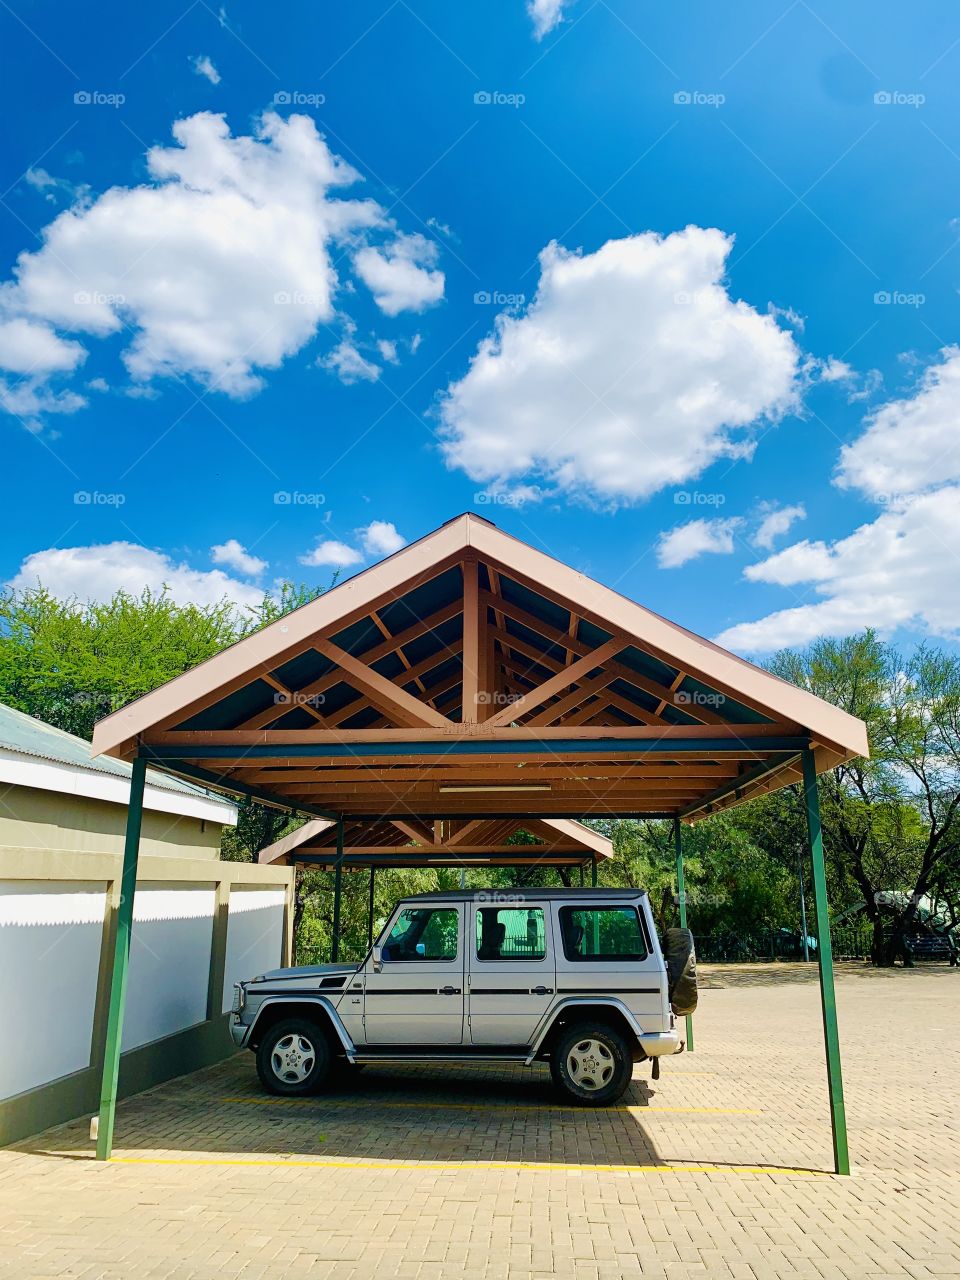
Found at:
(308, 971)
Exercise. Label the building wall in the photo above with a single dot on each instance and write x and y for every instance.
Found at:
(199, 925)
(39, 819)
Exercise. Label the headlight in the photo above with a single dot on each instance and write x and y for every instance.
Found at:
(239, 996)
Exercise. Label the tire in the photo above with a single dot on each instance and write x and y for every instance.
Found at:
(293, 1058)
(591, 1064)
(681, 971)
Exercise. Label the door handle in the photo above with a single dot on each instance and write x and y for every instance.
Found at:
(541, 991)
(450, 991)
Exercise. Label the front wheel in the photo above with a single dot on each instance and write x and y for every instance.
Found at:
(293, 1058)
(591, 1064)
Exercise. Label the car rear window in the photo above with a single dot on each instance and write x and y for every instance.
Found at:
(602, 933)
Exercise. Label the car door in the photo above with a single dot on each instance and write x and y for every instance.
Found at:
(416, 997)
(604, 949)
(512, 971)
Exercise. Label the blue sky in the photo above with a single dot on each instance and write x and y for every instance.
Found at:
(672, 296)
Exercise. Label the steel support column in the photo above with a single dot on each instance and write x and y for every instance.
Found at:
(337, 890)
(373, 872)
(121, 963)
(828, 999)
(682, 901)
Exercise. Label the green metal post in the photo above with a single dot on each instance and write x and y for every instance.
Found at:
(828, 998)
(682, 900)
(121, 964)
(370, 911)
(593, 872)
(337, 888)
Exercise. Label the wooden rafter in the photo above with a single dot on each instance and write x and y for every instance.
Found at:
(560, 680)
(383, 693)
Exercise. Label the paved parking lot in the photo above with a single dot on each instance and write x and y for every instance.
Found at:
(715, 1170)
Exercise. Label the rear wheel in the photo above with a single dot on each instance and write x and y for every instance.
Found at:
(591, 1064)
(293, 1058)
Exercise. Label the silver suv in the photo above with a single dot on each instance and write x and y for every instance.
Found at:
(576, 978)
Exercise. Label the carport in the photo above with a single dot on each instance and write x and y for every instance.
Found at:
(471, 679)
(496, 842)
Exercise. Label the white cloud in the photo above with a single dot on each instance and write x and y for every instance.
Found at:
(235, 556)
(910, 444)
(30, 348)
(686, 542)
(203, 66)
(349, 365)
(96, 573)
(900, 570)
(546, 14)
(220, 265)
(834, 370)
(632, 369)
(329, 551)
(50, 187)
(399, 274)
(776, 523)
(380, 538)
(388, 351)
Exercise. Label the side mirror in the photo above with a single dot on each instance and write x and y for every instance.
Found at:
(377, 957)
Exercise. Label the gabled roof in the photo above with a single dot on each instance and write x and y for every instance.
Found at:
(550, 842)
(472, 674)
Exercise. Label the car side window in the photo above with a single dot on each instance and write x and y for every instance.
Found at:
(423, 933)
(510, 933)
(602, 933)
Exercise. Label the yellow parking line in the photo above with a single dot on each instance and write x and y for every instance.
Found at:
(480, 1106)
(472, 1166)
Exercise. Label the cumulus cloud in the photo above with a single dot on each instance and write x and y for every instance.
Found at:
(30, 348)
(220, 265)
(203, 66)
(900, 570)
(400, 276)
(96, 573)
(235, 556)
(546, 14)
(377, 539)
(380, 538)
(329, 551)
(776, 523)
(632, 369)
(909, 444)
(349, 365)
(686, 542)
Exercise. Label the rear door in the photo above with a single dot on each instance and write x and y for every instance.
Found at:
(512, 972)
(606, 949)
(417, 997)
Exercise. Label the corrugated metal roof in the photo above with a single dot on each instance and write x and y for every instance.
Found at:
(32, 737)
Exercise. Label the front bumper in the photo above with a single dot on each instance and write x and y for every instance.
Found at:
(657, 1044)
(239, 1031)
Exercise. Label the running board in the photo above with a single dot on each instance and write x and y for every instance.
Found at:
(366, 1057)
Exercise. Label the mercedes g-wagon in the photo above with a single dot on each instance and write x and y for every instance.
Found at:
(573, 977)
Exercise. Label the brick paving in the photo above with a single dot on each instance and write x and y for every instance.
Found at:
(716, 1170)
